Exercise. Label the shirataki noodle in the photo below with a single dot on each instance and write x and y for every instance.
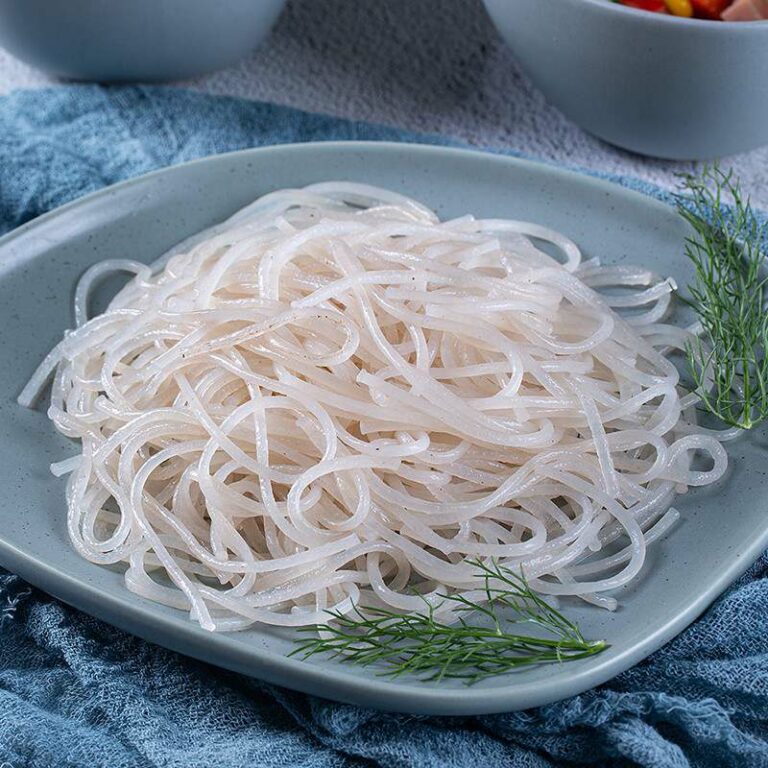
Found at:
(335, 399)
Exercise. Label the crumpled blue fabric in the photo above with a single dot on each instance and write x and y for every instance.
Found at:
(75, 692)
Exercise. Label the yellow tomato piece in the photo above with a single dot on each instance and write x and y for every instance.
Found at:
(680, 7)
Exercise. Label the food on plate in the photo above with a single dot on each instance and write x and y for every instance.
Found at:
(746, 10)
(727, 357)
(725, 10)
(336, 406)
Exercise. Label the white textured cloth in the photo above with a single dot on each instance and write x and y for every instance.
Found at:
(429, 65)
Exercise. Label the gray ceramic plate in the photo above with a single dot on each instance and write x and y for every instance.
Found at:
(722, 530)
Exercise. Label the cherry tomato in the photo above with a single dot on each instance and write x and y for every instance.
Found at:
(709, 9)
(657, 6)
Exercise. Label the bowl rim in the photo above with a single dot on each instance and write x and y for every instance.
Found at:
(661, 18)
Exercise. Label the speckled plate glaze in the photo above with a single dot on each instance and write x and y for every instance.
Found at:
(723, 529)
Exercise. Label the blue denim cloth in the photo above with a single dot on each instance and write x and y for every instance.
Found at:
(76, 692)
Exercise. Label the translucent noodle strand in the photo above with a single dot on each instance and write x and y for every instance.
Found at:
(334, 400)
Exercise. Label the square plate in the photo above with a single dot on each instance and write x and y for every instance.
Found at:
(722, 530)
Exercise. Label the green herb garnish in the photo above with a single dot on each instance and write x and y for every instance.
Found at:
(421, 645)
(728, 360)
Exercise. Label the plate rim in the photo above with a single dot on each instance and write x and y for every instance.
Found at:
(276, 668)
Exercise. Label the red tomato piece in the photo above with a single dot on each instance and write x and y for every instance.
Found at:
(657, 6)
(709, 9)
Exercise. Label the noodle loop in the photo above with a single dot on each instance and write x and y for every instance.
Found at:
(335, 399)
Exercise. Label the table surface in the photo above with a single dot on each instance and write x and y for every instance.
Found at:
(427, 65)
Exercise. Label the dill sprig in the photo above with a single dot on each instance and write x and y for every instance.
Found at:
(421, 645)
(728, 359)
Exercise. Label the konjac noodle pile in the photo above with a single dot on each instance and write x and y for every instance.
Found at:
(335, 399)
